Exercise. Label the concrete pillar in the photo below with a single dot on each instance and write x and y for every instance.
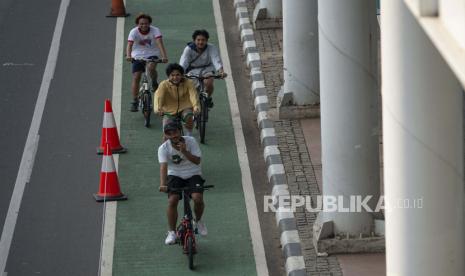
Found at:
(300, 51)
(348, 36)
(423, 151)
(271, 8)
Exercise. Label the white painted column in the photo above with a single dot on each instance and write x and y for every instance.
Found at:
(349, 108)
(273, 8)
(300, 51)
(423, 151)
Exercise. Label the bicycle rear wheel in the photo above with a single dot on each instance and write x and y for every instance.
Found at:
(203, 118)
(190, 251)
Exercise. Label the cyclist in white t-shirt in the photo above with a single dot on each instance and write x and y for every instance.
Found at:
(144, 41)
(179, 158)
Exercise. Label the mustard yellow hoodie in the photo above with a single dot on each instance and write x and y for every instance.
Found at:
(170, 98)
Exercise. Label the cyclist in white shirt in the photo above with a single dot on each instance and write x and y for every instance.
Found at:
(144, 41)
(201, 58)
(179, 158)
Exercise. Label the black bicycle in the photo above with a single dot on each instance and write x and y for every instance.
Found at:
(185, 232)
(201, 118)
(145, 95)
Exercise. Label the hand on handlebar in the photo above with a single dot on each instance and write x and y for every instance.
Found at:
(164, 60)
(163, 189)
(222, 74)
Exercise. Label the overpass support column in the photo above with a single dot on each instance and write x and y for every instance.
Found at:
(300, 52)
(269, 9)
(348, 41)
(423, 151)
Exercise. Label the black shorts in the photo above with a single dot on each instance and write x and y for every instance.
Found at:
(195, 182)
(139, 65)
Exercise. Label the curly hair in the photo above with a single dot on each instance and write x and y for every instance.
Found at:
(143, 15)
(174, 67)
(202, 32)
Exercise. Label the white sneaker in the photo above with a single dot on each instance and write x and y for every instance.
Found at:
(170, 238)
(201, 228)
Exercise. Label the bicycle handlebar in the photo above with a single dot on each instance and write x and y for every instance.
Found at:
(204, 77)
(156, 60)
(206, 187)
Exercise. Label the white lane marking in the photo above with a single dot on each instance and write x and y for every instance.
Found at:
(109, 221)
(27, 160)
(249, 195)
(17, 64)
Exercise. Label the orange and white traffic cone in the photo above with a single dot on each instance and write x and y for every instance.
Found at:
(109, 189)
(117, 9)
(109, 132)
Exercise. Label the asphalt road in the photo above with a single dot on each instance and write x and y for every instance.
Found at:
(59, 225)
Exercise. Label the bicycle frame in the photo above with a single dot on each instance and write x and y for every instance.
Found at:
(202, 118)
(186, 222)
(185, 230)
(145, 97)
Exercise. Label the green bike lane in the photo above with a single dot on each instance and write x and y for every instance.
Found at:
(141, 221)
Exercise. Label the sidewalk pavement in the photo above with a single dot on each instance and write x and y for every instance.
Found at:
(299, 147)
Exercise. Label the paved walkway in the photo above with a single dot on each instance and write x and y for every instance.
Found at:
(141, 222)
(299, 143)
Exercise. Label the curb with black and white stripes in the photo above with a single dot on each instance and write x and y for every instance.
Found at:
(290, 241)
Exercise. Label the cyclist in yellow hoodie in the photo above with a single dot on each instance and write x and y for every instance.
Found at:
(177, 97)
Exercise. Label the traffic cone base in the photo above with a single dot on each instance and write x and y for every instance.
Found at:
(100, 198)
(109, 189)
(113, 151)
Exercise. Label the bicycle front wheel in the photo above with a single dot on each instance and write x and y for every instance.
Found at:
(146, 108)
(190, 251)
(202, 124)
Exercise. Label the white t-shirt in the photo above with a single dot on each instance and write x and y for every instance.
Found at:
(178, 164)
(144, 44)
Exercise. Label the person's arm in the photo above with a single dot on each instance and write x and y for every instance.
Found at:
(158, 99)
(163, 160)
(163, 176)
(161, 46)
(185, 58)
(189, 155)
(216, 58)
(129, 50)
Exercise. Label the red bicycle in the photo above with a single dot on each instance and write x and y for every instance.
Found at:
(185, 232)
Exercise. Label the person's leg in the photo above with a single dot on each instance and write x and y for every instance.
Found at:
(172, 211)
(137, 70)
(188, 119)
(135, 84)
(152, 69)
(196, 183)
(199, 205)
(173, 199)
(208, 83)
